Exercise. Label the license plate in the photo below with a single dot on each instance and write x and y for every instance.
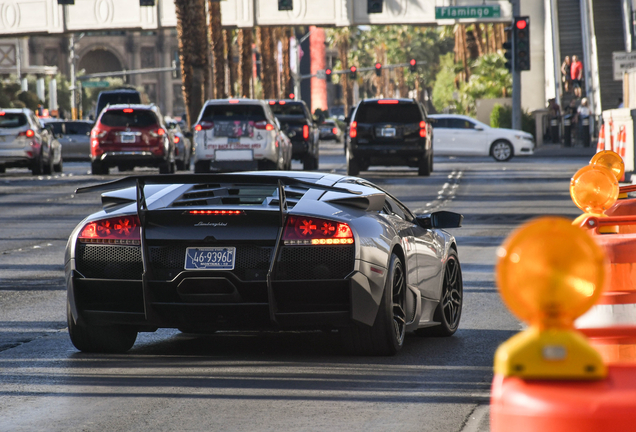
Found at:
(233, 140)
(234, 155)
(210, 258)
(388, 132)
(127, 138)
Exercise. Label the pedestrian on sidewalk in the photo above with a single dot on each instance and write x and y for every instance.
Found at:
(554, 115)
(576, 73)
(566, 74)
(583, 120)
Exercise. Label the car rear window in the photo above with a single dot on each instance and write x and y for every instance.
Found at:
(288, 109)
(137, 118)
(233, 112)
(399, 113)
(9, 120)
(73, 128)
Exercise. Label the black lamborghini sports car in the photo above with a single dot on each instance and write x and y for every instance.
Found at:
(260, 250)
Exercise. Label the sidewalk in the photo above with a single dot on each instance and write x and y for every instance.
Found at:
(558, 150)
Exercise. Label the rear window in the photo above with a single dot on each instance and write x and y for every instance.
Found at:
(9, 120)
(288, 109)
(137, 118)
(78, 128)
(376, 113)
(117, 98)
(233, 112)
(58, 128)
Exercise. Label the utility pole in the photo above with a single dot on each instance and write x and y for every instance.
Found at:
(297, 75)
(516, 75)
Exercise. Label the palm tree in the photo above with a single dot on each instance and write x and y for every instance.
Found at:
(264, 36)
(215, 33)
(286, 75)
(194, 63)
(231, 66)
(245, 61)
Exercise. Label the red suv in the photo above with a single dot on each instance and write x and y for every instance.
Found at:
(127, 136)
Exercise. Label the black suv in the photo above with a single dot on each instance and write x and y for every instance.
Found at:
(118, 96)
(297, 123)
(389, 132)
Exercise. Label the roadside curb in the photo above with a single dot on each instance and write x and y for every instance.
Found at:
(478, 420)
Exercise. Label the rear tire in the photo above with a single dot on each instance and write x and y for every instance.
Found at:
(99, 339)
(2, 169)
(449, 310)
(98, 168)
(59, 166)
(425, 166)
(386, 336)
(353, 165)
(180, 165)
(310, 163)
(202, 166)
(48, 168)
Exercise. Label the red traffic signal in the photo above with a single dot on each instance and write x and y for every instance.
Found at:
(378, 69)
(328, 73)
(292, 96)
(521, 24)
(413, 65)
(354, 72)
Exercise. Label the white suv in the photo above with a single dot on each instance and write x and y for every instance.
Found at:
(239, 135)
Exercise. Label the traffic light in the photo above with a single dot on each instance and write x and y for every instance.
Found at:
(146, 2)
(285, 5)
(378, 69)
(354, 72)
(374, 6)
(508, 47)
(413, 65)
(521, 31)
(65, 2)
(328, 74)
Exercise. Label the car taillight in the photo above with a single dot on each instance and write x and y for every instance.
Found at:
(305, 132)
(122, 230)
(334, 131)
(423, 129)
(128, 110)
(264, 125)
(159, 132)
(217, 212)
(203, 126)
(353, 130)
(388, 102)
(176, 139)
(306, 230)
(98, 133)
(28, 133)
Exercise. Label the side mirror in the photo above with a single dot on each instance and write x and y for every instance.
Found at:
(440, 219)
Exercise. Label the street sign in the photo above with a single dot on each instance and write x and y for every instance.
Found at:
(622, 62)
(468, 12)
(87, 84)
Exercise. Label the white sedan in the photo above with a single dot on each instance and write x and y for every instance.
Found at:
(458, 135)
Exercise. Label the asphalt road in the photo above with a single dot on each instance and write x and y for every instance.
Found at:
(260, 381)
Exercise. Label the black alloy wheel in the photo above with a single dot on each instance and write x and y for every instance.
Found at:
(449, 310)
(425, 166)
(386, 336)
(48, 167)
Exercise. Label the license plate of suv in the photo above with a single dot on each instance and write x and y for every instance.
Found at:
(388, 132)
(210, 258)
(127, 138)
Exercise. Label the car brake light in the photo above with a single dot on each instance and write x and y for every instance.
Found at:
(264, 125)
(353, 130)
(306, 230)
(423, 129)
(282, 102)
(2, 113)
(29, 133)
(272, 102)
(388, 101)
(177, 139)
(158, 133)
(334, 131)
(122, 230)
(98, 133)
(217, 212)
(305, 132)
(204, 125)
(233, 101)
(128, 110)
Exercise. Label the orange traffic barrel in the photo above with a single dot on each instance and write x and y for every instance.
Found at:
(608, 405)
